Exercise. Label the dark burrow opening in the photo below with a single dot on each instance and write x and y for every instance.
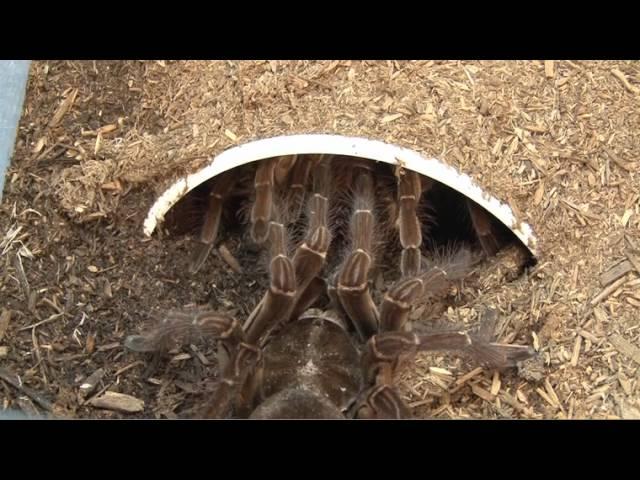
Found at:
(445, 214)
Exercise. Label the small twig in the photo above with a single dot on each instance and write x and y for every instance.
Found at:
(315, 82)
(104, 389)
(621, 76)
(609, 290)
(482, 393)
(128, 367)
(44, 153)
(36, 348)
(588, 335)
(420, 403)
(634, 260)
(9, 238)
(53, 317)
(53, 305)
(552, 394)
(632, 244)
(546, 397)
(107, 269)
(11, 380)
(589, 215)
(69, 147)
(618, 161)
(22, 277)
(461, 382)
(441, 409)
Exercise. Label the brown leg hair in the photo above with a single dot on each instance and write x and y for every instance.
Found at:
(209, 232)
(353, 279)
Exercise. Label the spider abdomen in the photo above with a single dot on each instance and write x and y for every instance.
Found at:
(316, 355)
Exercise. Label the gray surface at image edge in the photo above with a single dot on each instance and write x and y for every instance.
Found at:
(13, 84)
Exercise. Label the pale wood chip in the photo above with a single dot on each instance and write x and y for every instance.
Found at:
(440, 371)
(39, 145)
(537, 197)
(549, 68)
(495, 383)
(625, 347)
(391, 118)
(91, 382)
(90, 343)
(482, 393)
(615, 272)
(64, 107)
(552, 393)
(180, 357)
(522, 397)
(113, 186)
(625, 383)
(536, 341)
(5, 318)
(118, 402)
(576, 351)
(112, 127)
(98, 144)
(600, 315)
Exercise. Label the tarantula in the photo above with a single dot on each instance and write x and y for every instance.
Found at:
(289, 360)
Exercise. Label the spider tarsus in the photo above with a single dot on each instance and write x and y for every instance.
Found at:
(483, 227)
